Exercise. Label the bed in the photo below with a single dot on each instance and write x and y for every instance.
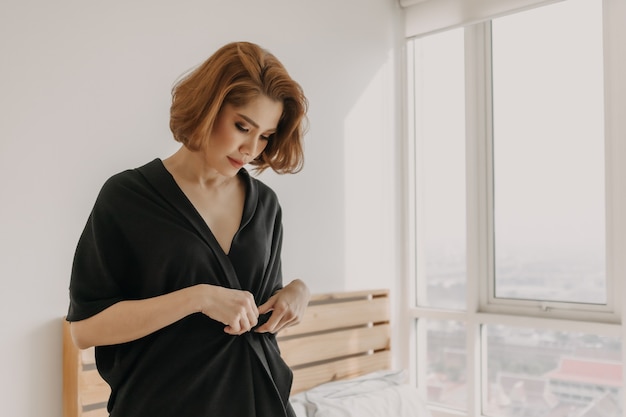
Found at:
(339, 353)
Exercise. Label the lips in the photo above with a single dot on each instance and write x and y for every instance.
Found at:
(236, 162)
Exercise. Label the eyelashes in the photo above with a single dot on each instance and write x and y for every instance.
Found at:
(244, 129)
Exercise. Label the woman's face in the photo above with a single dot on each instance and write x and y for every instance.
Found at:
(240, 134)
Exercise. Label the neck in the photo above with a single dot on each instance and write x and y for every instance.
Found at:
(191, 167)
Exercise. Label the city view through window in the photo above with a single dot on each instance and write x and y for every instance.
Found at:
(530, 372)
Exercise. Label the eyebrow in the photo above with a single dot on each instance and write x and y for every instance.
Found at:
(252, 122)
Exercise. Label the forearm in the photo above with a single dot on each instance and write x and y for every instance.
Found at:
(130, 320)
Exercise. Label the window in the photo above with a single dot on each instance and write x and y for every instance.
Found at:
(440, 159)
(517, 213)
(548, 154)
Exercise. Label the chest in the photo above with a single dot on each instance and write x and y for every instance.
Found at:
(221, 210)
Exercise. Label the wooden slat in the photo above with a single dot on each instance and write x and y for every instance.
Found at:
(324, 346)
(95, 394)
(81, 387)
(89, 379)
(100, 412)
(310, 377)
(341, 314)
(88, 356)
(348, 294)
(71, 368)
(92, 388)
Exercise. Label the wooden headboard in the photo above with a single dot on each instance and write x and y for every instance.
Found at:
(342, 335)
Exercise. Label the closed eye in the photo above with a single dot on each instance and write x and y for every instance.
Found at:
(241, 128)
(244, 129)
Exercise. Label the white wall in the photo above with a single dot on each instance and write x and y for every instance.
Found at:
(84, 93)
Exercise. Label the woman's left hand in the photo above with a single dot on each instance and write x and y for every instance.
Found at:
(287, 306)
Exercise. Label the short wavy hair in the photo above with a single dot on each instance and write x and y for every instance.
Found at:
(236, 74)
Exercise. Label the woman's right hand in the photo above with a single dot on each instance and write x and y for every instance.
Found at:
(235, 308)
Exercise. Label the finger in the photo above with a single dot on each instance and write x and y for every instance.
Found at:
(284, 324)
(238, 327)
(267, 306)
(229, 330)
(289, 318)
(244, 323)
(279, 310)
(241, 323)
(272, 323)
(268, 326)
(277, 328)
(253, 319)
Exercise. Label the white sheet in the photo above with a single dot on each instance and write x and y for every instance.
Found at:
(379, 394)
(299, 408)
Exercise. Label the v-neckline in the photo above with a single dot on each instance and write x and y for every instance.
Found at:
(201, 218)
(165, 184)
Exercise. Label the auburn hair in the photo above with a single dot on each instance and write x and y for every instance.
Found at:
(236, 74)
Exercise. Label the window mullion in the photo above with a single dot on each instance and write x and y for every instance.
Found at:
(478, 163)
(614, 15)
(416, 344)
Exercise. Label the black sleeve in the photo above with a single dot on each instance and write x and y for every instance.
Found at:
(100, 259)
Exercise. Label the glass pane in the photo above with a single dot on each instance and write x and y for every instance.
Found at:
(439, 101)
(545, 373)
(447, 358)
(549, 154)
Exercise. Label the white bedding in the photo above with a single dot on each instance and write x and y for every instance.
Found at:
(379, 394)
(299, 409)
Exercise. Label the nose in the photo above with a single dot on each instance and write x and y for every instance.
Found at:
(250, 147)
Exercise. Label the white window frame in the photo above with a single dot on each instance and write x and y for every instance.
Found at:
(480, 198)
(481, 307)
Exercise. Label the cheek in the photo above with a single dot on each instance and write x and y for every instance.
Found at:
(261, 147)
(221, 136)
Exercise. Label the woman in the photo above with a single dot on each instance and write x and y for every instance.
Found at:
(177, 276)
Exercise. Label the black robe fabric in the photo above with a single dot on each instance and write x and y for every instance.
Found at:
(144, 238)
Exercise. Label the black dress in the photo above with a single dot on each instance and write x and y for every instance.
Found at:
(144, 238)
